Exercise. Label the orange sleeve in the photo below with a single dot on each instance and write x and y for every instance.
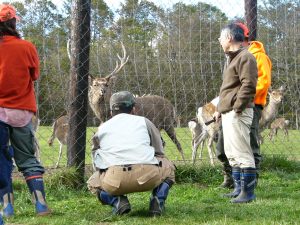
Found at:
(35, 64)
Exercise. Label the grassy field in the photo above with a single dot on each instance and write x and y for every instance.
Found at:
(195, 199)
(285, 147)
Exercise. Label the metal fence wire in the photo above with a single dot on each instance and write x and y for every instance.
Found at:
(173, 52)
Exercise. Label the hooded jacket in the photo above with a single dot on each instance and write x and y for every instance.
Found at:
(264, 67)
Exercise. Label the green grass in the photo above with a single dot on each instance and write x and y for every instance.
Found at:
(195, 199)
(280, 146)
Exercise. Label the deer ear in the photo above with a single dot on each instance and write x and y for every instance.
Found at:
(282, 88)
(91, 78)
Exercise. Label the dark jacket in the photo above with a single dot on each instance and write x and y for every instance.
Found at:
(239, 82)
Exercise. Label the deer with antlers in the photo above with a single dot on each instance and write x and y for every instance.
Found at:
(156, 108)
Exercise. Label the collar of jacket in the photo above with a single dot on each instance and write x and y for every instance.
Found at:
(232, 54)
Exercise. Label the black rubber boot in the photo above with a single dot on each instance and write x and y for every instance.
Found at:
(248, 183)
(35, 184)
(158, 198)
(120, 203)
(236, 174)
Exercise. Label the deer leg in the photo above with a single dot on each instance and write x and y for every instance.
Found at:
(271, 135)
(286, 133)
(59, 154)
(171, 133)
(210, 150)
(194, 153)
(201, 150)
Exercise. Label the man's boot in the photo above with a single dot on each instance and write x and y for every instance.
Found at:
(120, 203)
(228, 180)
(35, 184)
(158, 198)
(7, 200)
(236, 174)
(248, 183)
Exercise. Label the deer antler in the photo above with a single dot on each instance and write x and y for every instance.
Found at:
(123, 61)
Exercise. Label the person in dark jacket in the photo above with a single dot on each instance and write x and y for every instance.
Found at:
(236, 109)
(264, 67)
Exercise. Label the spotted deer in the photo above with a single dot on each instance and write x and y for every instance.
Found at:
(60, 129)
(279, 123)
(157, 109)
(204, 128)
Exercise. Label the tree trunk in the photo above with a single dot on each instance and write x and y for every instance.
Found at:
(80, 46)
(251, 18)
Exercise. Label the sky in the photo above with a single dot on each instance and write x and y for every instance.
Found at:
(232, 8)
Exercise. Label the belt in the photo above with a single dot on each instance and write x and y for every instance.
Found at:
(259, 106)
(126, 167)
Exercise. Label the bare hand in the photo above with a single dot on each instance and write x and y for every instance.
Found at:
(217, 116)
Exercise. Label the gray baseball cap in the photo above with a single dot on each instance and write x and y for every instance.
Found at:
(125, 98)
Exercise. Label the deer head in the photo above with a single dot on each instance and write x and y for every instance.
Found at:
(100, 88)
(276, 95)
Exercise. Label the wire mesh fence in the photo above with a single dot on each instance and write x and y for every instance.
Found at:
(173, 52)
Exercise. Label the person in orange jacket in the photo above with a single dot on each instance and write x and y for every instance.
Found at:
(264, 67)
(19, 68)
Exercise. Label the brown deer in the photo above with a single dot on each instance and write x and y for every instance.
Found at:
(204, 127)
(279, 123)
(270, 111)
(60, 129)
(156, 108)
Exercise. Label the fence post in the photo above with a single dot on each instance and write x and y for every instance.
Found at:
(251, 18)
(80, 42)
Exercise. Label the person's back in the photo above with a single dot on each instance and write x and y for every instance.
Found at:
(264, 67)
(19, 67)
(129, 158)
(124, 140)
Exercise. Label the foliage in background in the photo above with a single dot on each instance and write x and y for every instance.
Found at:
(173, 51)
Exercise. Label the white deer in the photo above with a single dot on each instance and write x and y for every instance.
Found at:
(204, 128)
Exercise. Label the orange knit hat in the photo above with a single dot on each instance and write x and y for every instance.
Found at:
(245, 29)
(7, 12)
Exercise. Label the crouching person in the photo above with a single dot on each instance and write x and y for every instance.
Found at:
(130, 158)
